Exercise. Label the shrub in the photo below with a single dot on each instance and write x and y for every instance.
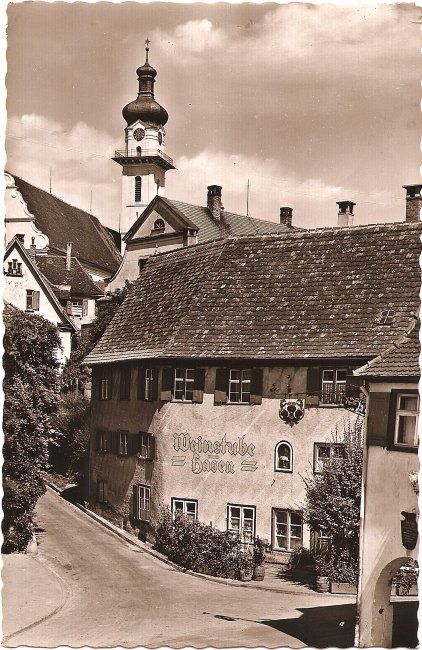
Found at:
(69, 451)
(200, 547)
(406, 576)
(301, 557)
(258, 552)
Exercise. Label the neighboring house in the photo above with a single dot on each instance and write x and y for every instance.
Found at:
(27, 288)
(221, 379)
(48, 223)
(390, 503)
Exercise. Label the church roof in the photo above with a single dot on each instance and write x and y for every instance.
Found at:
(92, 243)
(76, 278)
(300, 295)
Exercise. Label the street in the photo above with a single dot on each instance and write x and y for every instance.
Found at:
(119, 595)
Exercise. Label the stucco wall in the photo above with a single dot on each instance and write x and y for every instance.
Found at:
(182, 474)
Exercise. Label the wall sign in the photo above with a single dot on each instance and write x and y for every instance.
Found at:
(409, 530)
(207, 454)
(292, 410)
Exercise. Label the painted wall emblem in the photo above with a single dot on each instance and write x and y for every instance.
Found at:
(292, 410)
(409, 530)
(207, 455)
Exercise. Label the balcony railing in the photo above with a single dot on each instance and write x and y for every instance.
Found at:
(133, 153)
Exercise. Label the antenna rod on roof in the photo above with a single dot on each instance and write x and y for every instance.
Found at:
(50, 180)
(90, 204)
(247, 200)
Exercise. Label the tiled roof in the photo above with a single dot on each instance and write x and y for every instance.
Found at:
(236, 225)
(62, 223)
(305, 294)
(81, 284)
(401, 360)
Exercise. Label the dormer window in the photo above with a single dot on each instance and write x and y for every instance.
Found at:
(138, 189)
(159, 224)
(15, 268)
(386, 317)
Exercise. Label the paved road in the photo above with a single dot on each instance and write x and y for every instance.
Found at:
(122, 596)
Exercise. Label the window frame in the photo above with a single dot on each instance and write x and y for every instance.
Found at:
(143, 497)
(14, 268)
(105, 383)
(32, 300)
(147, 444)
(400, 413)
(240, 532)
(335, 382)
(160, 227)
(241, 382)
(332, 446)
(138, 189)
(79, 305)
(288, 470)
(123, 443)
(103, 442)
(288, 524)
(185, 502)
(102, 496)
(187, 385)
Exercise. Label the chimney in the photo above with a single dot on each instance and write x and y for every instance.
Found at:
(286, 215)
(214, 201)
(33, 250)
(345, 213)
(68, 255)
(413, 202)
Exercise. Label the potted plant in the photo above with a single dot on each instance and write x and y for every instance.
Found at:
(258, 560)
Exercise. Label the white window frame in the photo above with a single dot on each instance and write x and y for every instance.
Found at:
(319, 464)
(30, 297)
(403, 413)
(105, 383)
(333, 388)
(245, 534)
(149, 384)
(183, 384)
(102, 442)
(184, 509)
(77, 308)
(101, 491)
(288, 469)
(123, 443)
(145, 447)
(239, 385)
(288, 528)
(144, 502)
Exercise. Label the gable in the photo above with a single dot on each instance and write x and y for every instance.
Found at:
(159, 208)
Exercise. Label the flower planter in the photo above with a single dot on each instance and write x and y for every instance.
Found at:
(246, 576)
(342, 588)
(259, 572)
(322, 584)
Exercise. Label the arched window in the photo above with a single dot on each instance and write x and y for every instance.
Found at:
(159, 224)
(138, 189)
(283, 461)
(138, 151)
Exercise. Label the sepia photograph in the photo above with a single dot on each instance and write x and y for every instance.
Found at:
(211, 295)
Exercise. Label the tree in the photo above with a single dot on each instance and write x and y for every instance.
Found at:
(31, 393)
(68, 450)
(333, 507)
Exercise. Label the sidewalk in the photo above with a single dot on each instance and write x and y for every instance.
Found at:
(31, 592)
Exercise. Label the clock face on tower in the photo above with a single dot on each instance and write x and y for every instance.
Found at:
(138, 134)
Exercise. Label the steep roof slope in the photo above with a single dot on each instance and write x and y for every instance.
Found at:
(80, 283)
(62, 223)
(401, 360)
(308, 294)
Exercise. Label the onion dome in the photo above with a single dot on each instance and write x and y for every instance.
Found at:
(144, 107)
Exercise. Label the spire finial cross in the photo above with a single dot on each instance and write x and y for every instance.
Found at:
(147, 42)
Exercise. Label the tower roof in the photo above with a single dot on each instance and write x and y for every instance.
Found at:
(144, 107)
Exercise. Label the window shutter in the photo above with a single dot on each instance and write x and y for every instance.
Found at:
(155, 372)
(221, 385)
(109, 441)
(199, 385)
(167, 384)
(68, 308)
(98, 440)
(115, 442)
(85, 307)
(153, 448)
(313, 386)
(105, 494)
(353, 384)
(141, 382)
(36, 300)
(256, 386)
(133, 444)
(135, 502)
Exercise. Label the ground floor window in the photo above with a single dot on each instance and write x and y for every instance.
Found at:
(325, 451)
(406, 426)
(188, 507)
(142, 502)
(241, 520)
(287, 529)
(101, 491)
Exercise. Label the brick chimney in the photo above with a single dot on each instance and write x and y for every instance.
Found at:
(33, 250)
(413, 202)
(68, 255)
(345, 213)
(214, 201)
(286, 215)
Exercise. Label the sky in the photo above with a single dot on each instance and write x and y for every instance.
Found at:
(312, 103)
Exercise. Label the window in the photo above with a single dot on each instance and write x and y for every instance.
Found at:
(125, 377)
(142, 502)
(386, 317)
(147, 446)
(32, 300)
(287, 530)
(14, 268)
(103, 442)
(324, 451)
(138, 189)
(320, 542)
(123, 443)
(139, 151)
(105, 383)
(283, 457)
(240, 386)
(406, 424)
(77, 309)
(159, 224)
(102, 491)
(189, 507)
(333, 386)
(147, 383)
(241, 520)
(183, 384)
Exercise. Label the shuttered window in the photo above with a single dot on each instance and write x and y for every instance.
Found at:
(105, 383)
(142, 502)
(147, 384)
(147, 446)
(183, 385)
(238, 386)
(138, 189)
(32, 300)
(101, 491)
(125, 378)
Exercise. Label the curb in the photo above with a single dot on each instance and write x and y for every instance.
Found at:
(127, 537)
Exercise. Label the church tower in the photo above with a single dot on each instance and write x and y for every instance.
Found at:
(144, 163)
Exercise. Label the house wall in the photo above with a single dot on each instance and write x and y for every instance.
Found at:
(246, 478)
(19, 221)
(387, 492)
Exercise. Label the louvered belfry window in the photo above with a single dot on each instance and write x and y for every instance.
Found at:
(138, 189)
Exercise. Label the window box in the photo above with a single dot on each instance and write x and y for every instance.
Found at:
(287, 529)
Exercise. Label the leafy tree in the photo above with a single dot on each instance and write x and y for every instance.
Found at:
(68, 450)
(31, 393)
(333, 507)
